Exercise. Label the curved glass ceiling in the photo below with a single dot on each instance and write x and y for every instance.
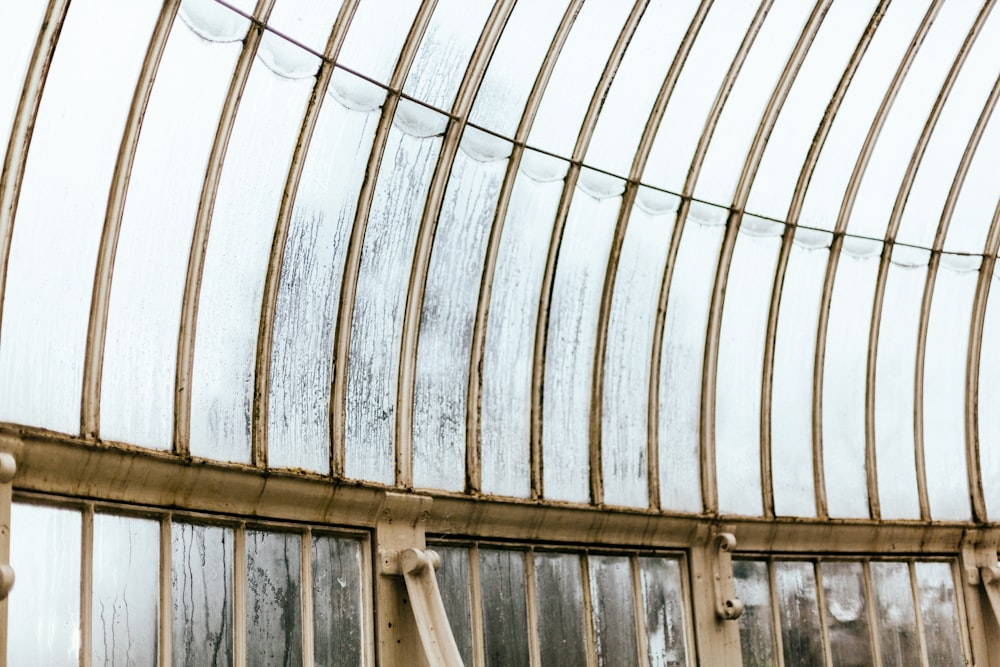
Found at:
(719, 257)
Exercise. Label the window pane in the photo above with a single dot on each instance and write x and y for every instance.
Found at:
(663, 601)
(453, 581)
(752, 585)
(800, 633)
(897, 631)
(274, 608)
(505, 620)
(202, 585)
(939, 613)
(560, 609)
(338, 613)
(847, 614)
(613, 604)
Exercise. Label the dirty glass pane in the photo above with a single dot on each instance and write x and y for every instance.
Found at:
(61, 209)
(274, 607)
(202, 594)
(453, 581)
(897, 626)
(756, 628)
(938, 610)
(338, 614)
(376, 35)
(308, 22)
(572, 331)
(801, 640)
(560, 609)
(663, 603)
(43, 609)
(613, 603)
(126, 590)
(741, 366)
(505, 620)
(847, 614)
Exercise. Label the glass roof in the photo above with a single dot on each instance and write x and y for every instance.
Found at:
(725, 256)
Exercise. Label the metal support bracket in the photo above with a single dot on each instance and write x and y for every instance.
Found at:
(980, 567)
(727, 606)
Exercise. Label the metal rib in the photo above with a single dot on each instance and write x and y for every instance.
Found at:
(473, 403)
(203, 223)
(569, 187)
(97, 326)
(892, 229)
(352, 264)
(272, 280)
(625, 213)
(425, 236)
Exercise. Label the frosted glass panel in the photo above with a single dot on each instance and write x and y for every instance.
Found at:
(800, 633)
(847, 614)
(989, 394)
(514, 65)
(741, 366)
(453, 581)
(939, 613)
(126, 590)
(18, 33)
(449, 311)
(894, 390)
(613, 610)
(576, 75)
(309, 290)
(559, 589)
(202, 593)
(572, 332)
(627, 359)
(970, 221)
(844, 370)
(154, 243)
(308, 22)
(43, 622)
(61, 209)
(752, 588)
(239, 245)
(505, 621)
(897, 631)
(376, 35)
(682, 357)
(510, 335)
(274, 609)
(338, 612)
(792, 377)
(944, 387)
(376, 331)
(663, 603)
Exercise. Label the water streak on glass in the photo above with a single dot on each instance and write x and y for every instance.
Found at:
(154, 243)
(338, 611)
(989, 394)
(695, 91)
(309, 290)
(894, 385)
(60, 213)
(747, 101)
(797, 604)
(126, 590)
(636, 84)
(376, 331)
(202, 594)
(897, 631)
(682, 356)
(947, 144)
(803, 109)
(514, 65)
(939, 613)
(847, 614)
(572, 332)
(510, 333)
(560, 609)
(857, 112)
(505, 619)
(741, 366)
(375, 38)
(844, 378)
(752, 588)
(19, 28)
(625, 399)
(449, 312)
(663, 603)
(43, 626)
(576, 75)
(792, 389)
(443, 56)
(453, 581)
(613, 610)
(944, 387)
(239, 245)
(274, 608)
